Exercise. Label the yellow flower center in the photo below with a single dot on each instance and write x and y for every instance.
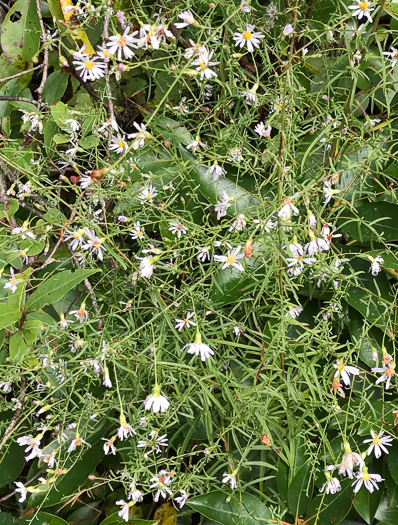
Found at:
(363, 6)
(230, 259)
(186, 320)
(247, 35)
(89, 64)
(121, 144)
(105, 53)
(202, 65)
(76, 235)
(376, 440)
(96, 244)
(300, 258)
(139, 233)
(13, 281)
(279, 106)
(149, 196)
(121, 42)
(340, 367)
(366, 477)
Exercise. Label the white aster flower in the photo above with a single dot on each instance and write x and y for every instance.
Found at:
(379, 443)
(231, 259)
(203, 64)
(328, 191)
(361, 9)
(248, 38)
(89, 68)
(186, 322)
(109, 445)
(221, 207)
(345, 372)
(177, 228)
(13, 282)
(203, 253)
(77, 442)
(71, 124)
(288, 30)
(388, 372)
(156, 401)
(261, 130)
(331, 486)
(138, 231)
(181, 500)
(251, 95)
(239, 223)
(124, 511)
(75, 238)
(81, 314)
(134, 494)
(148, 194)
(187, 19)
(120, 45)
(125, 430)
(94, 244)
(5, 386)
(235, 155)
(375, 264)
(393, 56)
(22, 491)
(349, 462)
(287, 209)
(118, 144)
(369, 480)
(182, 107)
(140, 136)
(297, 262)
(264, 226)
(216, 171)
(199, 348)
(147, 265)
(161, 482)
(294, 312)
(232, 479)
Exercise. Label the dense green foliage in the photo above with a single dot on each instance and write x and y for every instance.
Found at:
(198, 263)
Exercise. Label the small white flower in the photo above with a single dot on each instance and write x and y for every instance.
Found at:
(195, 145)
(181, 500)
(71, 124)
(109, 446)
(332, 485)
(345, 372)
(388, 372)
(231, 259)
(265, 226)
(105, 125)
(135, 495)
(261, 130)
(328, 191)
(177, 228)
(125, 430)
(349, 462)
(369, 480)
(118, 144)
(138, 231)
(375, 264)
(294, 312)
(121, 44)
(161, 482)
(75, 238)
(216, 171)
(94, 244)
(182, 108)
(22, 491)
(249, 38)
(81, 314)
(13, 282)
(148, 194)
(146, 267)
(78, 442)
(235, 155)
(297, 262)
(89, 68)
(186, 322)
(287, 209)
(239, 223)
(124, 511)
(199, 348)
(140, 136)
(231, 479)
(251, 96)
(379, 443)
(288, 29)
(203, 253)
(221, 207)
(393, 56)
(5, 386)
(187, 19)
(361, 9)
(203, 62)
(156, 401)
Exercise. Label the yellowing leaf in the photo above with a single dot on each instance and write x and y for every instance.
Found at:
(81, 35)
(166, 515)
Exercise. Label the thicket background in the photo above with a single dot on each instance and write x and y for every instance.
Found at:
(198, 262)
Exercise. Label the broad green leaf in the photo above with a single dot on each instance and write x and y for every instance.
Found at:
(330, 509)
(89, 142)
(17, 347)
(9, 209)
(241, 200)
(243, 509)
(373, 220)
(61, 139)
(43, 317)
(12, 461)
(366, 503)
(282, 478)
(42, 518)
(54, 288)
(8, 316)
(393, 461)
(11, 88)
(299, 490)
(55, 87)
(391, 486)
(173, 131)
(6, 519)
(20, 39)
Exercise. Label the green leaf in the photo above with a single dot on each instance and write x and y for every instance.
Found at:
(11, 88)
(61, 139)
(393, 461)
(330, 509)
(282, 478)
(374, 219)
(89, 142)
(242, 200)
(12, 461)
(243, 509)
(366, 503)
(55, 288)
(55, 87)
(17, 347)
(299, 491)
(8, 316)
(42, 518)
(6, 519)
(114, 519)
(9, 209)
(20, 39)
